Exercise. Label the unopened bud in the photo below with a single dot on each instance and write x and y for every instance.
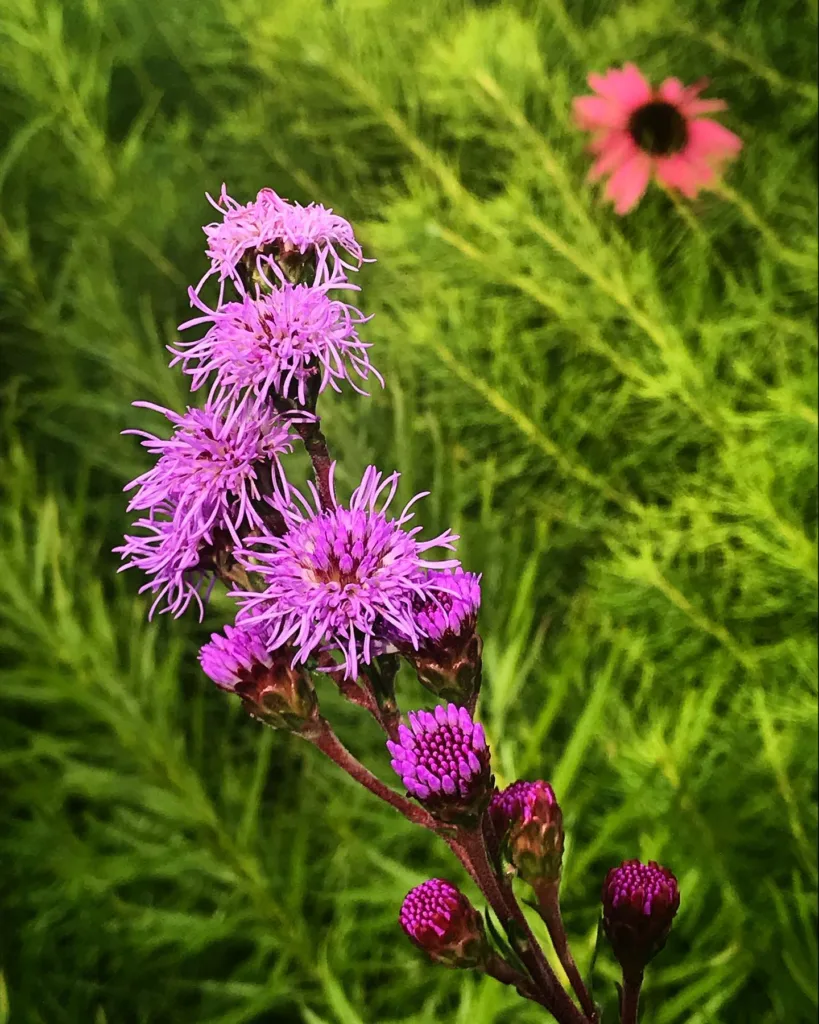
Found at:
(528, 825)
(639, 905)
(442, 922)
(271, 688)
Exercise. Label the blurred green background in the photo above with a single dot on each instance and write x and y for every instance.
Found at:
(619, 417)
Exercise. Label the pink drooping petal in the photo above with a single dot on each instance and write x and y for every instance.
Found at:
(618, 149)
(627, 87)
(682, 174)
(629, 182)
(711, 141)
(694, 108)
(672, 91)
(592, 112)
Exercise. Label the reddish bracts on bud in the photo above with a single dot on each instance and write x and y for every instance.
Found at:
(639, 905)
(443, 761)
(272, 689)
(442, 922)
(528, 826)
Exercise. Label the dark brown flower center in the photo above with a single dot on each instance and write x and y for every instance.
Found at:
(658, 128)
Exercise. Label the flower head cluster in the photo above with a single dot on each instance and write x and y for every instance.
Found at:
(278, 344)
(443, 760)
(442, 922)
(640, 902)
(233, 657)
(451, 609)
(270, 227)
(639, 132)
(177, 563)
(338, 576)
(239, 660)
(204, 490)
(215, 466)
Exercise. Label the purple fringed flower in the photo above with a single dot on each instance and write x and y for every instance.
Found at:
(270, 688)
(335, 575)
(278, 343)
(452, 608)
(232, 657)
(217, 463)
(175, 561)
(442, 922)
(639, 905)
(443, 760)
(448, 659)
(271, 226)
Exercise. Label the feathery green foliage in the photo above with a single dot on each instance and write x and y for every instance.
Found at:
(619, 417)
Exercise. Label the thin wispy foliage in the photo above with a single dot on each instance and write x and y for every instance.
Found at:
(617, 415)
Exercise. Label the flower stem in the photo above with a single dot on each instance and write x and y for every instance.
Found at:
(549, 905)
(323, 737)
(315, 444)
(496, 967)
(630, 998)
(470, 849)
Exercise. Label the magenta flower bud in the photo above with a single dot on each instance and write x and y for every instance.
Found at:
(271, 688)
(528, 825)
(448, 658)
(442, 922)
(443, 760)
(639, 904)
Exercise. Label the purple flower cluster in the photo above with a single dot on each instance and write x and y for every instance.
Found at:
(640, 902)
(277, 343)
(452, 606)
(308, 573)
(271, 226)
(232, 657)
(205, 487)
(442, 922)
(443, 760)
(350, 589)
(645, 888)
(339, 578)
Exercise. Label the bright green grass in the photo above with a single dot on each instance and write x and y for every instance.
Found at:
(619, 416)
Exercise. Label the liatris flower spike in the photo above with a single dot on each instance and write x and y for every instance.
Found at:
(350, 590)
(443, 760)
(271, 689)
(639, 905)
(336, 575)
(528, 824)
(270, 231)
(639, 132)
(442, 922)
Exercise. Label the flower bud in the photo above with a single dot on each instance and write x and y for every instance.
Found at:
(271, 688)
(639, 904)
(448, 659)
(442, 922)
(528, 826)
(443, 761)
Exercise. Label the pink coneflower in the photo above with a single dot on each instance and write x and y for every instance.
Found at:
(639, 132)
